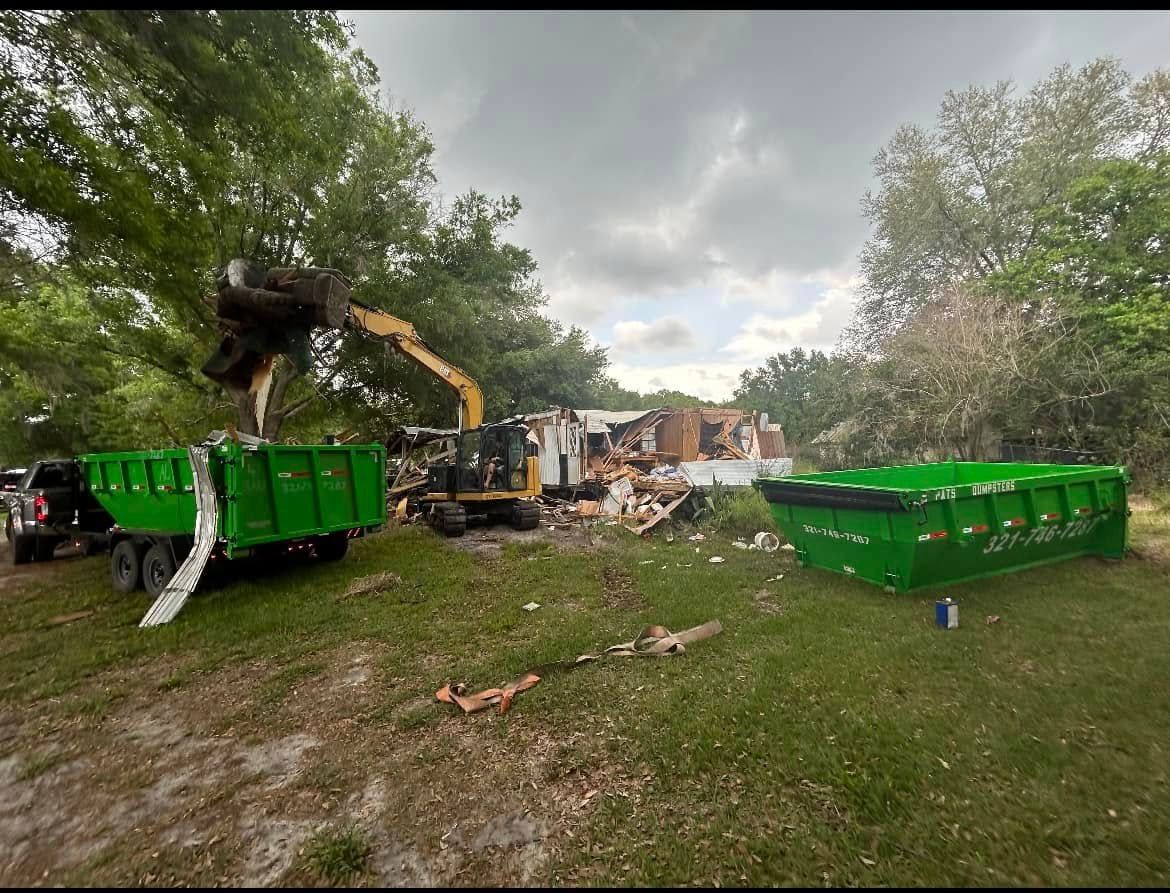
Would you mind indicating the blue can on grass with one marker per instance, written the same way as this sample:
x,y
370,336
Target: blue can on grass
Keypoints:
x,y
946,613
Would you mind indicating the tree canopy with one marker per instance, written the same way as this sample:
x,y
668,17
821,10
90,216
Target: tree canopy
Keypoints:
x,y
962,200
143,150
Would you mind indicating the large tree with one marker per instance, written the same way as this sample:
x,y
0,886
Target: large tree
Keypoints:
x,y
144,149
967,370
1101,256
959,201
805,391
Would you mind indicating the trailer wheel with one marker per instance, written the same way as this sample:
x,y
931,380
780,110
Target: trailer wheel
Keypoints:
x,y
126,566
21,551
332,547
157,568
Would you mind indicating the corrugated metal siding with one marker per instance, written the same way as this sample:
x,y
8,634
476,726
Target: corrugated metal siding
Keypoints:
x,y
771,444
733,472
668,435
550,458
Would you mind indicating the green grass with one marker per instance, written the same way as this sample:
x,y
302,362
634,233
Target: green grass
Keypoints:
x,y
838,739
337,854
39,765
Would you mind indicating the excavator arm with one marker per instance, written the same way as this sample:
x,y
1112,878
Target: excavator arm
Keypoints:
x,y
402,336
271,312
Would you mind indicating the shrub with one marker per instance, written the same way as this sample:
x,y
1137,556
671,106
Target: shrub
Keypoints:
x,y
742,510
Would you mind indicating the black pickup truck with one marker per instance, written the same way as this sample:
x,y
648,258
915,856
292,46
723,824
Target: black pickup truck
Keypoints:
x,y
51,506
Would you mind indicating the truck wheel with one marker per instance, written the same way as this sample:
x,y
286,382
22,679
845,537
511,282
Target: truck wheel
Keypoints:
x,y
8,528
157,568
21,551
525,516
126,566
45,547
332,547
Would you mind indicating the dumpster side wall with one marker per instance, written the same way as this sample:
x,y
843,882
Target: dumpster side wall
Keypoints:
x,y
149,490
288,492
948,534
272,493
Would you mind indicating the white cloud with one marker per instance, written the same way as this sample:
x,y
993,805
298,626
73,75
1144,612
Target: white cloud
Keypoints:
x,y
816,328
663,334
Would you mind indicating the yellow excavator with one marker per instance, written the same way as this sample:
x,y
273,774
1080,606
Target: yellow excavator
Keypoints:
x,y
494,473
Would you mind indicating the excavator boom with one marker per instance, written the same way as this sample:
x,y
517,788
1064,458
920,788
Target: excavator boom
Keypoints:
x,y
403,337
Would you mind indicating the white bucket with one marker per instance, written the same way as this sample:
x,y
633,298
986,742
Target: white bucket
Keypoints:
x,y
768,542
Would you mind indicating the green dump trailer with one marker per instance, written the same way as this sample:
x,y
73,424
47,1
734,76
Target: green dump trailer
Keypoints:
x,y
909,526
174,510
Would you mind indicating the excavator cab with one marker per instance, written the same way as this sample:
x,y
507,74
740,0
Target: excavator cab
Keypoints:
x,y
494,473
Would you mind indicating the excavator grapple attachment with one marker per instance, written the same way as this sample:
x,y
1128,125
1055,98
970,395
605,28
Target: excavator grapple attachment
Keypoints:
x,y
270,312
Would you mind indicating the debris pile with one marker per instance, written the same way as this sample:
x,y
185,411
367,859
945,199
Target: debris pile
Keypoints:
x,y
666,436
637,468
409,452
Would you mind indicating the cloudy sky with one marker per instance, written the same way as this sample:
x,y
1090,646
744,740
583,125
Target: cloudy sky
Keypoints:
x,y
691,182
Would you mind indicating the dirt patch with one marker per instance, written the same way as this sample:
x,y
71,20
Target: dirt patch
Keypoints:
x,y
13,576
619,589
273,846
765,602
515,829
480,542
215,782
374,584
277,762
489,541
357,674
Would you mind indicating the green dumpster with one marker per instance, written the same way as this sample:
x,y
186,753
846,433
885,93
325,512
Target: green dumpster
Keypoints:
x,y
267,494
909,526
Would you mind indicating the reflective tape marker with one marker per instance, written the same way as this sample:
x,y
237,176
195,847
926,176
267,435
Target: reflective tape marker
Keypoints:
x,y
1014,522
976,528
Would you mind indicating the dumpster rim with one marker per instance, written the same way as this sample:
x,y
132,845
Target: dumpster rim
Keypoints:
x,y
1068,473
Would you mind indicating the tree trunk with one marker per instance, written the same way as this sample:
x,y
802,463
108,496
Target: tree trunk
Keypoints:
x,y
271,403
